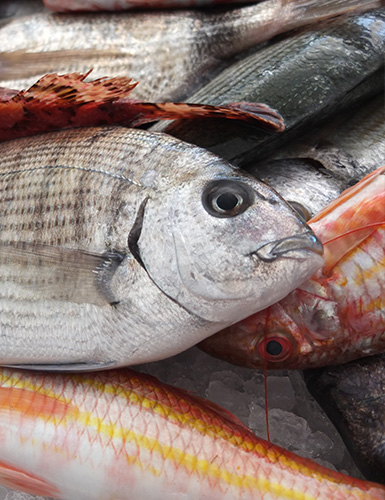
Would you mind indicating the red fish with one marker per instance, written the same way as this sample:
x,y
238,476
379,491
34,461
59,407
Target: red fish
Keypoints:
x,y
66,101
124,435
339,314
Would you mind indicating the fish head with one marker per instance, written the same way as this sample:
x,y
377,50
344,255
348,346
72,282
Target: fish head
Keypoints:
x,y
223,245
301,331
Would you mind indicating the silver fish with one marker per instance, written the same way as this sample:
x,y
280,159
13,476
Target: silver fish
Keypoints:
x,y
171,53
314,170
305,77
119,246
353,396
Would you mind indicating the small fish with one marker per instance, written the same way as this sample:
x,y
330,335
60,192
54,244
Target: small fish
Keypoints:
x,y
120,246
66,101
314,170
353,396
172,53
339,314
307,77
121,434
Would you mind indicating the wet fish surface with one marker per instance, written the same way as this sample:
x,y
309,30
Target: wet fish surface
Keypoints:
x,y
314,170
306,77
169,52
353,396
120,246
336,316
125,435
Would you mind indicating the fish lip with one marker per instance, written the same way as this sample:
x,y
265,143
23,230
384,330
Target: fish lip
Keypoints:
x,y
279,248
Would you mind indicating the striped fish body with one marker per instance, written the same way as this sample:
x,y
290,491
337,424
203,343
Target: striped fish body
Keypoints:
x,y
124,435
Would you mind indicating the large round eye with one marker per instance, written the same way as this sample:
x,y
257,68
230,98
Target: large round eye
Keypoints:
x,y
274,348
227,198
301,210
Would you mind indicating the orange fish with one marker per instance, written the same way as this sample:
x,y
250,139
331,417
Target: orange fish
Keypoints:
x,y
66,101
124,435
338,314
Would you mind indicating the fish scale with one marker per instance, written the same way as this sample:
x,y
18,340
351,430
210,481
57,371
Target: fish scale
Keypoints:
x,y
107,251
126,435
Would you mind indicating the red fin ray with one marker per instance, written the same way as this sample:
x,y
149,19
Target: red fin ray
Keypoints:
x,y
65,101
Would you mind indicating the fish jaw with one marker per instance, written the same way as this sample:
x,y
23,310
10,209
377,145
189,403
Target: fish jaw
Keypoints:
x,y
126,435
243,263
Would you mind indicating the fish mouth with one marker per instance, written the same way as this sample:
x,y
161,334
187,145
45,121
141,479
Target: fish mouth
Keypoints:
x,y
285,246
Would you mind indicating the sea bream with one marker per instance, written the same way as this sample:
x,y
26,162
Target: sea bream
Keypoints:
x,y
339,314
172,53
125,435
120,246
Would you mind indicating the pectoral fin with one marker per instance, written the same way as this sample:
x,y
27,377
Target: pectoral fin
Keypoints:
x,y
39,271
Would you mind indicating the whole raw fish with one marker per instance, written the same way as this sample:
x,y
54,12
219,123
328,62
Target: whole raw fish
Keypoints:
x,y
172,53
306,77
66,101
125,435
120,246
353,396
339,314
314,170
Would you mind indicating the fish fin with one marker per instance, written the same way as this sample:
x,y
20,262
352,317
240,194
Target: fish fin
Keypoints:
x,y
60,101
65,367
256,114
56,273
351,218
18,479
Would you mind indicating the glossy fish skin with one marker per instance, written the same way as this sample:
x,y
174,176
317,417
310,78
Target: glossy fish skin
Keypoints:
x,y
306,77
112,5
353,396
314,170
125,435
336,316
167,51
115,250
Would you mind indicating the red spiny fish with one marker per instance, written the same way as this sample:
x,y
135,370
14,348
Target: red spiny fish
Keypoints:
x,y
66,101
124,435
339,314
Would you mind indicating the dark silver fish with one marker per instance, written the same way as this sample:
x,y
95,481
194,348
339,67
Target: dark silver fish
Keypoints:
x,y
314,170
353,396
305,77
119,246
171,53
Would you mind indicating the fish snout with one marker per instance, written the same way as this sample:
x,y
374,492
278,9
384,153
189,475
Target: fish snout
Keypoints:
x,y
285,246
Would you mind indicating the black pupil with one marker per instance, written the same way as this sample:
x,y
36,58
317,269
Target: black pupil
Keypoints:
x,y
227,201
274,348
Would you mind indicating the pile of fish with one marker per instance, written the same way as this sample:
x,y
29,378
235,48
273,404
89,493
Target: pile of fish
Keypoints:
x,y
121,246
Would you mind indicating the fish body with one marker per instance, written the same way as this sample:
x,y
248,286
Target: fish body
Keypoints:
x,y
307,77
353,396
339,314
121,434
317,168
171,53
105,253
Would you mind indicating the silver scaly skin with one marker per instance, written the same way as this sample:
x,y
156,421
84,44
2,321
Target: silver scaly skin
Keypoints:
x,y
120,246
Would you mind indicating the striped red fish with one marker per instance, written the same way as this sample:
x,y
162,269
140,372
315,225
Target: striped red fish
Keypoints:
x,y
339,314
66,101
124,435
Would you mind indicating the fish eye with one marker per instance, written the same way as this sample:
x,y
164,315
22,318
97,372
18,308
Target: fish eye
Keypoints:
x,y
301,210
274,348
227,198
